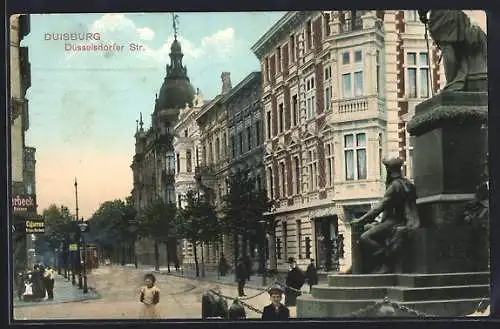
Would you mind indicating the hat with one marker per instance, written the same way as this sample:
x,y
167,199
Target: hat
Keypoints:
x,y
275,290
291,260
393,164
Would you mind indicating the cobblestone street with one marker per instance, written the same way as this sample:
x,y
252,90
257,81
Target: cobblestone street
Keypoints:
x,y
119,290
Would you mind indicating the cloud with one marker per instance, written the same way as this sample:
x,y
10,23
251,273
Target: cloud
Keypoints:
x,y
120,28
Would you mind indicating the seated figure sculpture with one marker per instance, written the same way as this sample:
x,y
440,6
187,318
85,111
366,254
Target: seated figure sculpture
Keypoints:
x,y
382,240
463,47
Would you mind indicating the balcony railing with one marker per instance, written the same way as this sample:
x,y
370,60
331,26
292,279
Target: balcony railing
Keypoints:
x,y
352,24
353,105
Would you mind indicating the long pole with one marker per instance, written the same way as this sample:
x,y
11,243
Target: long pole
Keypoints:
x,y
80,283
429,59
85,286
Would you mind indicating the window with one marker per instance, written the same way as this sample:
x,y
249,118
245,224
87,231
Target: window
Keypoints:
x,y
188,162
328,73
233,146
270,182
186,133
258,181
358,56
355,156
328,98
178,162
224,145
278,59
380,154
257,132
346,85
309,35
292,48
330,163
299,239
217,149
179,201
281,118
249,138
170,194
418,75
409,156
326,23
284,234
297,175
377,83
197,156
170,163
411,16
268,73
283,179
210,153
310,97
295,112
345,58
240,135
358,83
313,171
268,119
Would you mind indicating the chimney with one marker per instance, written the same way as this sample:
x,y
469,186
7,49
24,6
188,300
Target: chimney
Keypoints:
x,y
226,82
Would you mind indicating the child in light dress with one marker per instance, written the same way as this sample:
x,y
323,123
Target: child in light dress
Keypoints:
x,y
150,296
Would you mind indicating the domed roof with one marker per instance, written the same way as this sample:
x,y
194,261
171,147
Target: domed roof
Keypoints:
x,y
176,90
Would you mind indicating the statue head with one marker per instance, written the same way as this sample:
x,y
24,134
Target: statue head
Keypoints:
x,y
394,168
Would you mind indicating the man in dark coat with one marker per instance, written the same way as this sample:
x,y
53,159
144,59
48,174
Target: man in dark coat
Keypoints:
x,y
38,284
241,277
294,281
275,311
312,275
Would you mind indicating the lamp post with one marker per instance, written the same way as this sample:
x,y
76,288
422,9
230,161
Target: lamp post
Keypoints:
x,y
83,228
264,267
78,250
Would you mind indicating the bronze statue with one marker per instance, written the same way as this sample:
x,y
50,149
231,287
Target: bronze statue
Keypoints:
x,y
381,241
463,46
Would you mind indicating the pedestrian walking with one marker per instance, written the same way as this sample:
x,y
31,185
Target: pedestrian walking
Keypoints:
x,y
294,281
150,297
312,275
223,266
275,311
241,277
177,264
37,281
49,277
28,295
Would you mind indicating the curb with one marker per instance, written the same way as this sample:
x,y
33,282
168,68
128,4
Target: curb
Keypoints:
x,y
234,284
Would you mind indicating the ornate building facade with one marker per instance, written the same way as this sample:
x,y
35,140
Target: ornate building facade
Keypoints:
x,y
338,88
153,175
20,81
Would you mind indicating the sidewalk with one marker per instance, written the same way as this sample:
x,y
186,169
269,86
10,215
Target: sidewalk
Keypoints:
x,y
64,292
254,283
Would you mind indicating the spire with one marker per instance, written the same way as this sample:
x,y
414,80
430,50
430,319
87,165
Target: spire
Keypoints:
x,y
141,124
175,22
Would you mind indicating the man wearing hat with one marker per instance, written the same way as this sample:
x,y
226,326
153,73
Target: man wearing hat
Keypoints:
x,y
275,311
398,208
295,279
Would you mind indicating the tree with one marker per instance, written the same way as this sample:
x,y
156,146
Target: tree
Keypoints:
x,y
244,209
197,222
158,223
112,227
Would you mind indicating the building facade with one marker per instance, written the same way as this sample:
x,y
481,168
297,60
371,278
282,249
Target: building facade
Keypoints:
x,y
338,88
153,175
20,81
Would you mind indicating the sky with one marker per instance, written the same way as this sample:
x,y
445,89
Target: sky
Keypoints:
x,y
83,105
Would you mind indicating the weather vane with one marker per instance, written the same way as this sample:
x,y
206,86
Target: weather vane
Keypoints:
x,y
175,22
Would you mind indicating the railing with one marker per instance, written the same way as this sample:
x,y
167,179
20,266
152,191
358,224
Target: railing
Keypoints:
x,y
352,24
353,105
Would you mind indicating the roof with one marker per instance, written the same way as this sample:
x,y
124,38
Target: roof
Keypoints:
x,y
272,31
249,78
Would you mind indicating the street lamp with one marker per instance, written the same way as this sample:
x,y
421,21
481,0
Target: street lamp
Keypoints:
x,y
83,228
264,267
76,218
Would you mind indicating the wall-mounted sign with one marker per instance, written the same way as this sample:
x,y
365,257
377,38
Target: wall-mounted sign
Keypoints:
x,y
35,225
73,247
24,204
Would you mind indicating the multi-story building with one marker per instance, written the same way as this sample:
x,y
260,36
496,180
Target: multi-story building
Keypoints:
x,y
184,160
152,163
20,81
338,88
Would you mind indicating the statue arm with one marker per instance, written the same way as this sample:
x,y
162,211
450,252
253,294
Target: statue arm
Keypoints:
x,y
422,14
381,206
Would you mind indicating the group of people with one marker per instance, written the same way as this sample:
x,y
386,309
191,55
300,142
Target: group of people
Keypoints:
x,y
37,284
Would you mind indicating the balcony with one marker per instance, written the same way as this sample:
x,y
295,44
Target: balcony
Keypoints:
x,y
351,25
205,175
359,108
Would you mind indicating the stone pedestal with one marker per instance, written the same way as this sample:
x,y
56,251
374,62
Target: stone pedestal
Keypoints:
x,y
450,148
